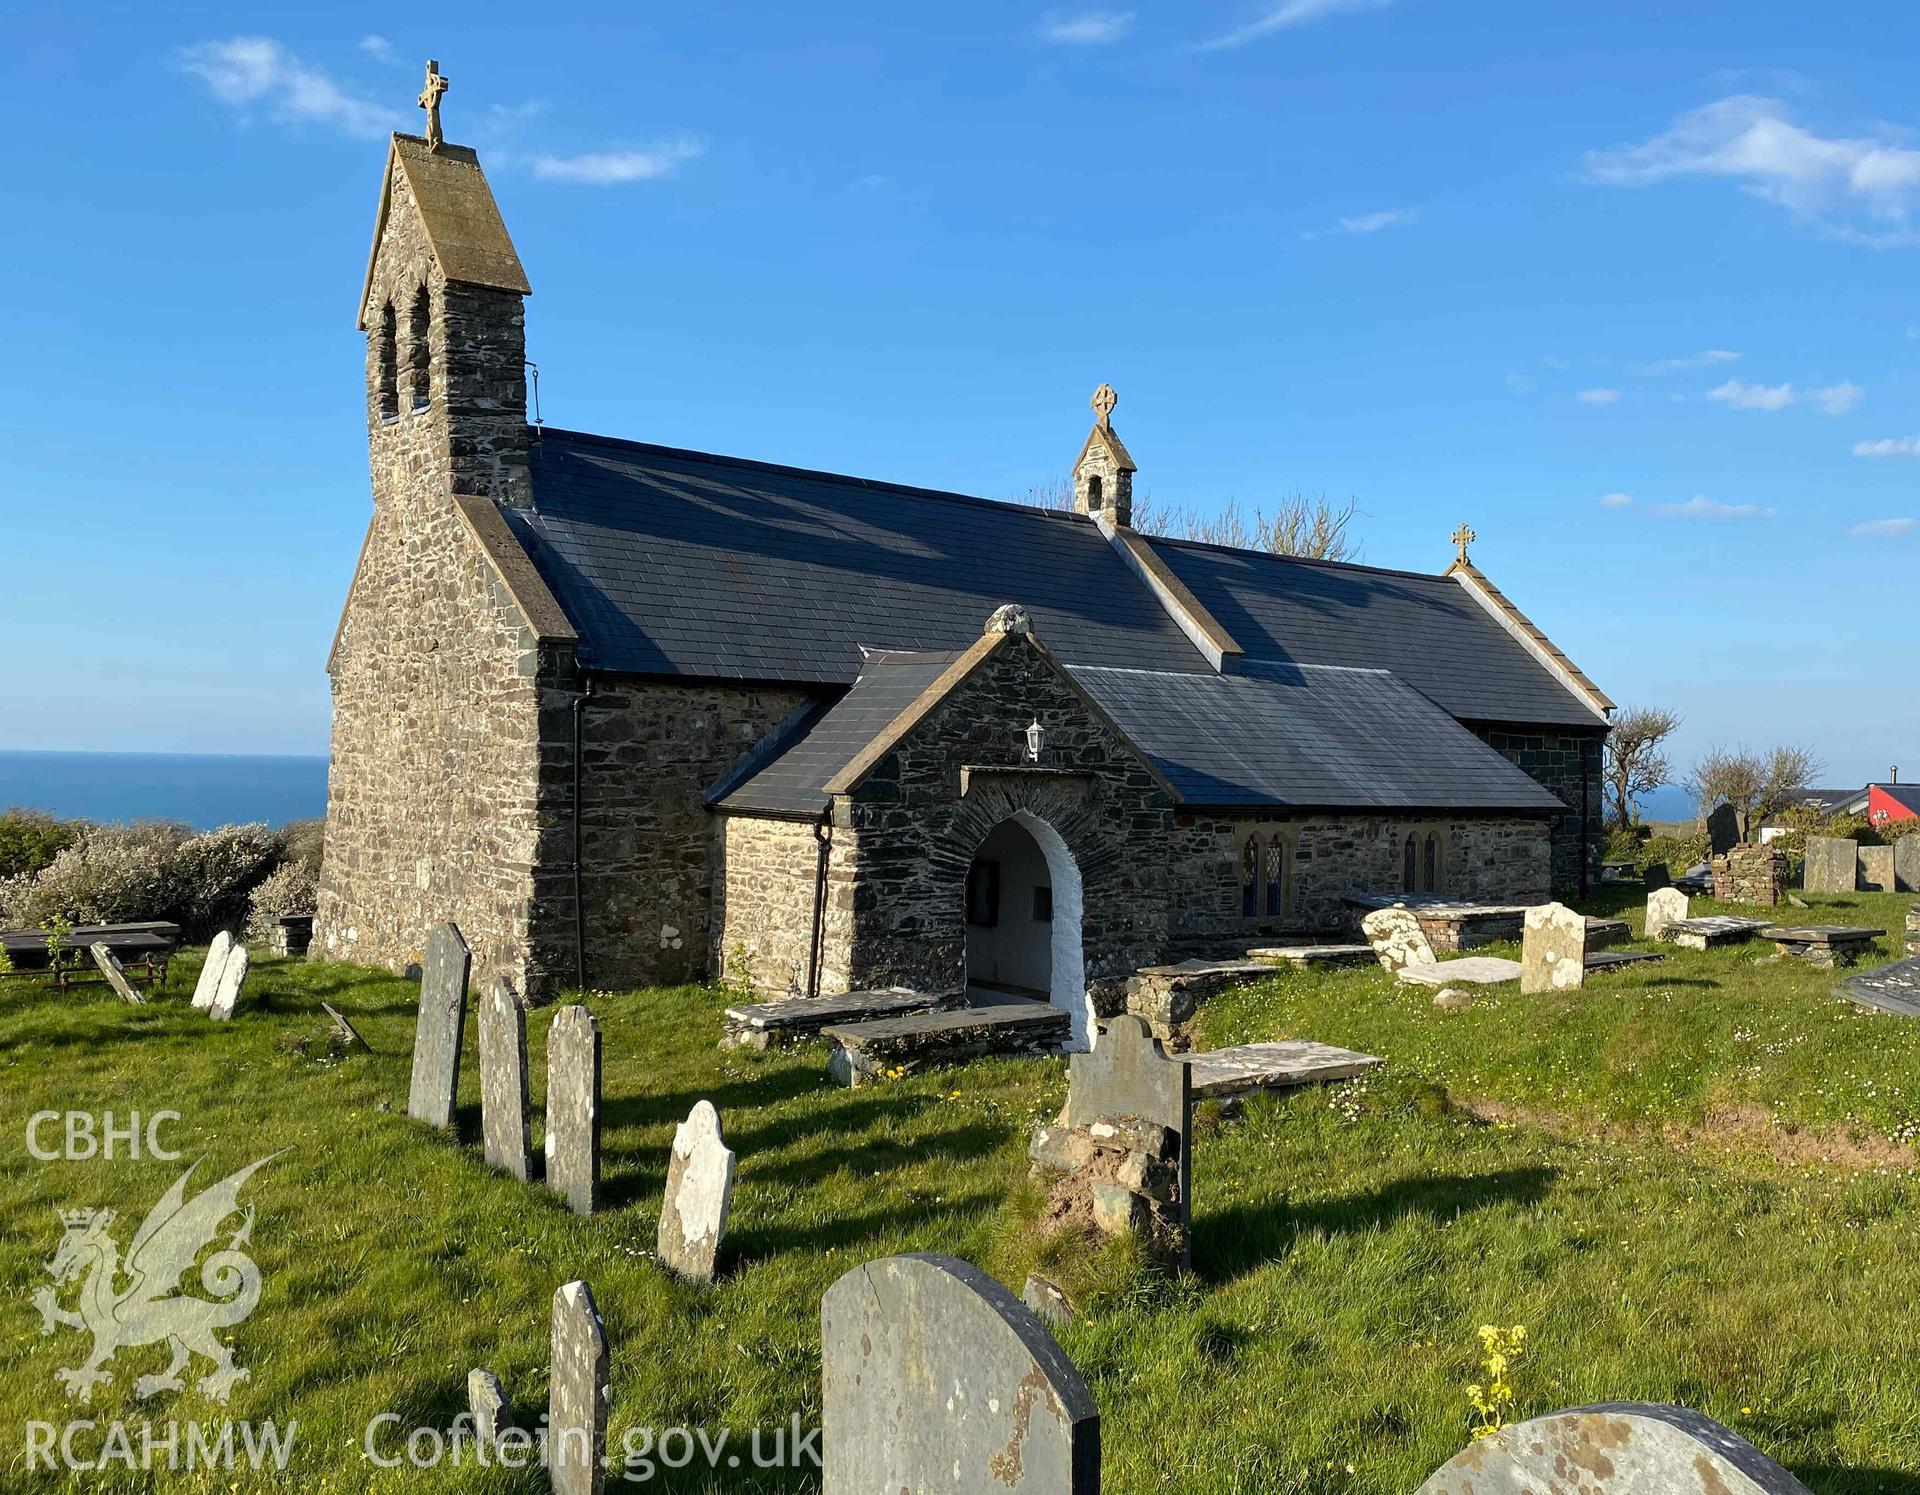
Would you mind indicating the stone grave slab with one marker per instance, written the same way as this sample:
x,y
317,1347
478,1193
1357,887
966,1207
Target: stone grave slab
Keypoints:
x,y
1906,864
577,1394
440,1028
864,1050
216,962
116,974
762,1025
1467,970
487,1402
503,1081
573,1109
1601,961
935,1379
1666,906
1615,1448
1830,945
1554,950
1833,864
1876,869
1892,988
1397,939
1602,933
346,1029
1712,931
693,1215
232,986
1221,1073
1312,955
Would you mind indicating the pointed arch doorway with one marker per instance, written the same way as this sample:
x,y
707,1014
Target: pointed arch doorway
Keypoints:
x,y
1023,909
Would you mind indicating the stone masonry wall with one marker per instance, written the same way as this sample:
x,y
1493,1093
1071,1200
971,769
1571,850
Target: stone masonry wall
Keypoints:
x,y
763,897
1504,860
1565,763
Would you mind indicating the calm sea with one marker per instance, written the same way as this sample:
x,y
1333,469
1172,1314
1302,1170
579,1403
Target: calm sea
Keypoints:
x,y
201,789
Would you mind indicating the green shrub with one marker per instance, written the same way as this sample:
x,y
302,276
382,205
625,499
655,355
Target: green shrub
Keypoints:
x,y
31,839
154,870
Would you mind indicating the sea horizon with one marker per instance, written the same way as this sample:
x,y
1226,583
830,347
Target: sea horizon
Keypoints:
x,y
202,790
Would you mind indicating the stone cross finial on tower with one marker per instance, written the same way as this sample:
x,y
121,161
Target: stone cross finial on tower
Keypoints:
x,y
429,100
1103,473
1463,537
1104,399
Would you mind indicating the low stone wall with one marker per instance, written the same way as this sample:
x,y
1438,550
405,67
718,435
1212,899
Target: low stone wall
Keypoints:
x,y
1750,874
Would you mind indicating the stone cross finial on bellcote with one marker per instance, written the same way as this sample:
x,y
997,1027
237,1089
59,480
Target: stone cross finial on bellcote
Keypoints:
x,y
429,100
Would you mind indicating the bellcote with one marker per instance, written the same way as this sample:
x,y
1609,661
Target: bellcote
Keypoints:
x,y
1103,472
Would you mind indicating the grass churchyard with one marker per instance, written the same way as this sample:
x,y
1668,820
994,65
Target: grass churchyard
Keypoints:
x,y
1689,1182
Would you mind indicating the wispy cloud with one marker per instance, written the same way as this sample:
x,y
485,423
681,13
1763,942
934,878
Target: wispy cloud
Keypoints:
x,y
1087,28
1836,181
1705,359
250,72
1707,508
1616,500
1284,17
1837,399
1366,223
1829,399
1892,446
610,168
1886,529
1598,396
378,48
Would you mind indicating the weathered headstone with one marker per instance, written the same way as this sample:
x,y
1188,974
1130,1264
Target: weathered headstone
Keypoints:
x,y
440,1028
1553,952
1723,829
210,969
1913,930
1833,864
1397,938
233,984
503,1081
1665,906
1617,1448
116,974
487,1402
1906,864
693,1216
935,1379
345,1029
577,1394
1876,869
573,1109
1658,876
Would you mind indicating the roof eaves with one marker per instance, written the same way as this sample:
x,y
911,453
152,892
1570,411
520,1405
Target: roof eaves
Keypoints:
x,y
883,742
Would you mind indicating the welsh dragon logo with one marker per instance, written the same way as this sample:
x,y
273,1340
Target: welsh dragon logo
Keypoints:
x,y
150,1309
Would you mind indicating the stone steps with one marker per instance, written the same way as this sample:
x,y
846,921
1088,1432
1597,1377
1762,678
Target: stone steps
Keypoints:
x,y
864,1051
760,1025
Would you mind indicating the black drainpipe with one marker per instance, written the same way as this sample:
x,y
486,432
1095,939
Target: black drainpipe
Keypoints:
x,y
579,905
823,835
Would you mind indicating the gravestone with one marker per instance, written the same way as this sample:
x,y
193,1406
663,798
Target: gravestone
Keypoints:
x,y
1617,1448
1397,939
577,1394
1892,988
693,1217
345,1029
487,1402
1665,906
935,1379
440,1028
1553,953
1906,864
1833,864
1913,930
1128,1073
1876,869
116,974
232,985
1723,830
1658,876
215,963
503,1081
573,1109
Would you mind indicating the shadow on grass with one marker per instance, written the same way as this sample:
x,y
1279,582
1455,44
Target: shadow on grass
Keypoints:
x,y
1859,1479
1236,1241
754,1244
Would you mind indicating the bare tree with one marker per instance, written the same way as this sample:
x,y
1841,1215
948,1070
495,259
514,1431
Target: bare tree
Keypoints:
x,y
1757,787
1316,528
1790,772
1635,766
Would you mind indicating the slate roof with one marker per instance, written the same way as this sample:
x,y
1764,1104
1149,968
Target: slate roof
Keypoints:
x,y
1902,794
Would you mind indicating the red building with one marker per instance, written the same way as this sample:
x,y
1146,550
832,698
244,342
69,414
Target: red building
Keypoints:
x,y
1892,802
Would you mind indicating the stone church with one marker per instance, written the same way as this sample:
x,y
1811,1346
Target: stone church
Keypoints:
x,y
635,715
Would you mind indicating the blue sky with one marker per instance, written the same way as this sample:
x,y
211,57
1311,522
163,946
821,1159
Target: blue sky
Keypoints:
x,y
1632,292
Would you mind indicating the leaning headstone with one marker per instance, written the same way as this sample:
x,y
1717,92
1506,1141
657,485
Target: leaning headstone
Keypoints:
x,y
488,1405
573,1109
1665,906
503,1081
1398,940
349,1034
440,1028
935,1379
1553,953
1617,1448
1833,864
1906,864
116,974
1128,1075
233,984
210,969
1876,869
693,1217
1723,830
577,1394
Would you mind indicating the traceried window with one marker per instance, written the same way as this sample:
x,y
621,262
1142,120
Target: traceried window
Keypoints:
x,y
1432,868
420,349
387,357
1276,876
1410,865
